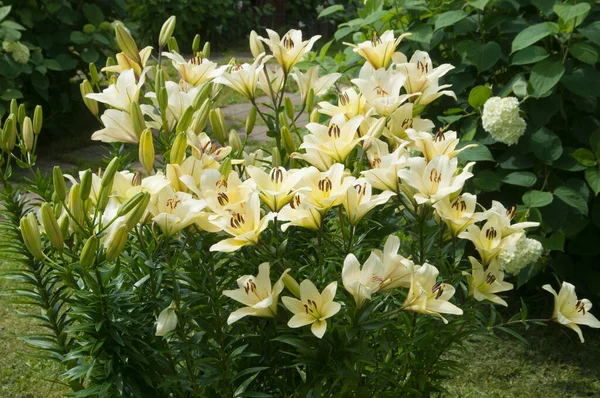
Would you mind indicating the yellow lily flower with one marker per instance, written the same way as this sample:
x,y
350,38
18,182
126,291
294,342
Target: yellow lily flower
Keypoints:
x,y
489,240
359,200
275,81
350,104
459,212
337,140
442,143
174,211
118,127
197,70
289,50
256,294
311,79
326,189
125,63
385,166
392,270
243,78
379,50
571,312
300,213
277,187
312,155
313,308
503,218
121,94
484,282
403,119
359,282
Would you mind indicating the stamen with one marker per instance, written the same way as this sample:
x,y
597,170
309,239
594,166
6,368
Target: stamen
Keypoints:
x,y
276,175
334,131
325,184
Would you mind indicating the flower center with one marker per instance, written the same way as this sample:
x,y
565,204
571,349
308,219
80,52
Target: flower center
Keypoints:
x,y
491,233
311,308
237,221
288,43
580,307
325,185
438,289
295,202
334,131
379,90
173,203
222,198
435,177
407,123
344,99
375,40
276,175
423,67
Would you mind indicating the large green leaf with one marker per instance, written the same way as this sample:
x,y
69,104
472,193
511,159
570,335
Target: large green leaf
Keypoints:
x,y
487,181
479,95
545,75
567,12
330,10
585,81
572,198
4,11
533,34
529,55
546,145
592,32
449,18
584,52
483,56
537,198
93,13
520,178
592,176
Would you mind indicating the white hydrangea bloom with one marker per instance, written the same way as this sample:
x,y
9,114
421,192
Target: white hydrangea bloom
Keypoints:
x,y
501,119
526,251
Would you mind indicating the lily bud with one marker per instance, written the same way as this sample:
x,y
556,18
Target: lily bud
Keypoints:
x,y
256,46
93,73
85,88
251,120
283,121
178,149
103,197
310,100
109,173
291,285
86,184
64,226
9,136
130,204
137,118
202,96
417,110
287,140
146,151
89,252
58,207
206,50
30,232
126,43
217,123
167,321
163,99
51,226
136,214
196,44
275,157
14,107
225,168
234,141
314,116
115,245
60,187
38,119
159,80
185,120
289,108
75,203
173,176
21,113
173,46
27,132
199,122
166,31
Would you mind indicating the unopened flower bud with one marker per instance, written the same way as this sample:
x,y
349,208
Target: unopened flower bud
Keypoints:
x,y
206,50
201,118
85,88
167,321
310,100
217,123
9,133
172,175
109,173
202,96
314,116
291,285
166,31
60,187
21,113
251,120
126,43
64,226
196,44
130,203
289,108
275,157
283,121
185,120
75,203
89,252
103,197
287,140
27,132
178,149
146,151
86,184
38,119
115,245
14,107
93,73
225,168
256,46
163,99
137,118
159,80
30,232
134,216
173,46
234,141
51,226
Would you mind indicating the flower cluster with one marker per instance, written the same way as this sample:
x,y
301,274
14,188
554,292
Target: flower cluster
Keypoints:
x,y
501,119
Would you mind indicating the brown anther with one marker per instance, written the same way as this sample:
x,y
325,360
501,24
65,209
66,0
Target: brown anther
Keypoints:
x,y
437,288
490,279
325,184
173,202
344,99
136,180
288,43
276,175
435,176
491,233
511,212
334,131
407,123
375,163
295,202
379,90
222,198
375,40
221,184
439,136
423,66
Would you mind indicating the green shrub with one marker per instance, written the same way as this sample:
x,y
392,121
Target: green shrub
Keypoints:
x,y
545,53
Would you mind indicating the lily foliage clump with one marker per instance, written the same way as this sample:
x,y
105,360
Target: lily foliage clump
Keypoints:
x,y
344,260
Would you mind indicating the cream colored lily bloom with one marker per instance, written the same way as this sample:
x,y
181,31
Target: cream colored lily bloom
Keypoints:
x,y
403,119
484,282
289,50
177,103
124,63
427,296
118,127
350,104
313,308
277,187
311,79
300,213
489,240
359,200
430,145
243,78
174,211
571,312
435,180
337,140
381,88
205,150
275,81
243,223
503,218
459,212
379,50
223,194
256,294
359,282
385,166
121,94
326,189
197,70
393,270
313,156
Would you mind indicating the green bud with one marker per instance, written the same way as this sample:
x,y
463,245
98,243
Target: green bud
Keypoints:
x,y
75,203
185,120
135,215
275,157
57,206
310,100
64,226
21,113
199,122
14,107
202,96
225,168
217,123
172,44
93,73
60,187
287,140
131,203
235,142
9,137
163,99
206,50
110,61
289,108
137,118
159,80
85,88
38,119
314,116
109,174
117,242
256,45
251,120
166,31
103,197
291,285
196,44
27,133
30,232
178,149
51,226
89,252
282,120
126,43
146,151
86,184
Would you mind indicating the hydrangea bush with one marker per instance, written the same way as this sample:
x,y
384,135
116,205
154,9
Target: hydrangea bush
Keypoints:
x,y
333,263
